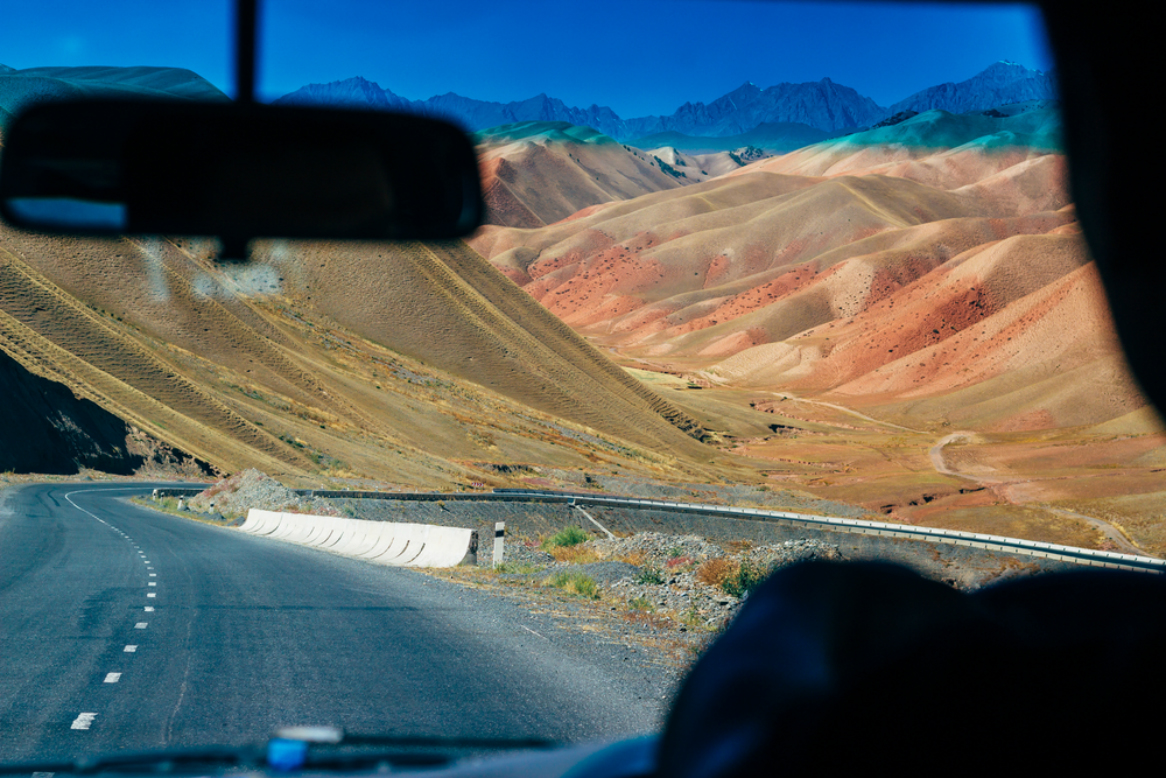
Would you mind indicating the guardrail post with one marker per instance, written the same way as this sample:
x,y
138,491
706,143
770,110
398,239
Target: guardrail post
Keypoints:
x,y
499,543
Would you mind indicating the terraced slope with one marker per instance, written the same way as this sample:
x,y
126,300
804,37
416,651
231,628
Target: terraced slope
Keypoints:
x,y
413,364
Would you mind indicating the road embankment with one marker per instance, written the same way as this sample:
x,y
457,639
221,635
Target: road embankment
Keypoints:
x,y
961,566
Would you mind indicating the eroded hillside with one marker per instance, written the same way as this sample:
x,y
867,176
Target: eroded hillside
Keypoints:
x,y
915,260
412,364
911,311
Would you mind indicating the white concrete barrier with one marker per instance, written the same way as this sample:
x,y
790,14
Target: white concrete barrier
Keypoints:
x,y
254,519
266,522
443,547
315,533
396,545
383,542
303,530
381,546
339,528
288,524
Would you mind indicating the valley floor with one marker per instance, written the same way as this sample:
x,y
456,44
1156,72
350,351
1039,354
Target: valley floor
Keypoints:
x,y
1097,487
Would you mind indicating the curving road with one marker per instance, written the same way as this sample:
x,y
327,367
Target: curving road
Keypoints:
x,y
125,629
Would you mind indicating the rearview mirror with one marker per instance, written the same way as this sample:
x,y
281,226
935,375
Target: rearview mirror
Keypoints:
x,y
237,172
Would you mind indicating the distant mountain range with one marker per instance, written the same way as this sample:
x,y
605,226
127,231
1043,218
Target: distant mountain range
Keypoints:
x,y
824,106
21,87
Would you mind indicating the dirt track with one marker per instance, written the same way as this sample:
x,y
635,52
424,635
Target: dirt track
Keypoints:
x,y
999,487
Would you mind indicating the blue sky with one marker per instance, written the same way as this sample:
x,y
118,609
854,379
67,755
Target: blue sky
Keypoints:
x,y
637,56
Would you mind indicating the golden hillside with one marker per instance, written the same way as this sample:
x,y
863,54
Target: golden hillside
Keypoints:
x,y
409,364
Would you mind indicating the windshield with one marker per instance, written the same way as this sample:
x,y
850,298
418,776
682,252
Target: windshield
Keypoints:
x,y
816,264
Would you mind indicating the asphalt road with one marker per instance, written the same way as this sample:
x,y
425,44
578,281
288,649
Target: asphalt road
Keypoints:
x,y
125,629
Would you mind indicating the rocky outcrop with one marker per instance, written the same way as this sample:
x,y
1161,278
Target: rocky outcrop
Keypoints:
x,y
47,429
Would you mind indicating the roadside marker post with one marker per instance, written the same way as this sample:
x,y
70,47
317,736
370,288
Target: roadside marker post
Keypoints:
x,y
499,543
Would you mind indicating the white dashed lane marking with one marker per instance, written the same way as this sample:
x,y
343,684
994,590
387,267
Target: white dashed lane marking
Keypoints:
x,y
83,721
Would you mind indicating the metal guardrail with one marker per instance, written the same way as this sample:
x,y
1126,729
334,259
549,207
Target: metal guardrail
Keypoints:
x,y
177,492
1081,556
1032,548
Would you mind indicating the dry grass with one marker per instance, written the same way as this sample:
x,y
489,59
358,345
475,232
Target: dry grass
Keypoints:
x,y
579,555
647,618
169,505
636,558
715,572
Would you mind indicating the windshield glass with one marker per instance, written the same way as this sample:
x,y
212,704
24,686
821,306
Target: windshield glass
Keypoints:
x,y
816,263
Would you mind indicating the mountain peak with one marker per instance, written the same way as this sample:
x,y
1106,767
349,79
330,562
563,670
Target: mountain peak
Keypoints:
x,y
1007,68
1001,83
824,105
351,91
748,86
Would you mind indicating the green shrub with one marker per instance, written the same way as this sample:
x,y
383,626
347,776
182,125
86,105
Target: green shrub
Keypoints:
x,y
649,575
575,583
568,536
744,580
